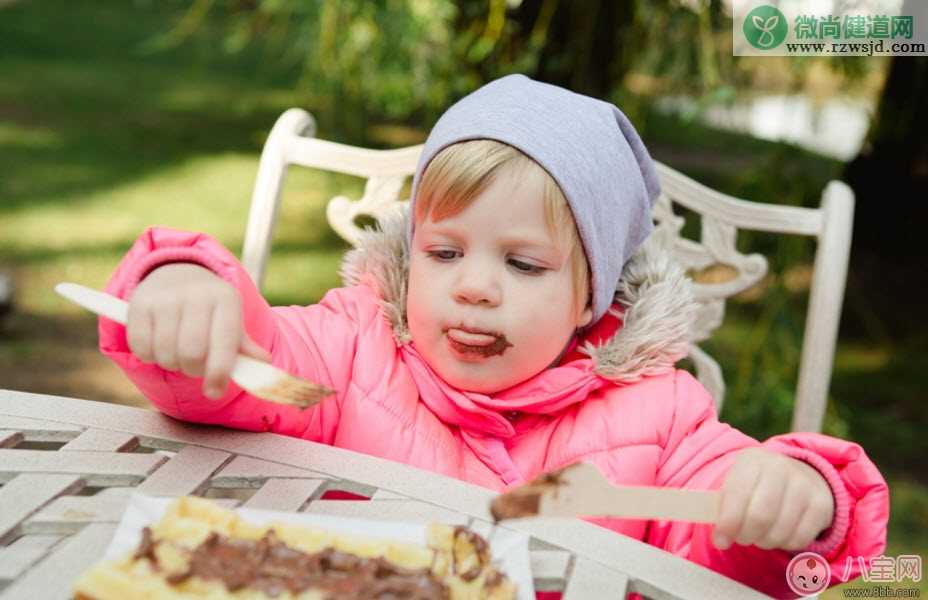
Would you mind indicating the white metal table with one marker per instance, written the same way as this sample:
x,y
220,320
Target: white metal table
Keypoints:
x,y
68,466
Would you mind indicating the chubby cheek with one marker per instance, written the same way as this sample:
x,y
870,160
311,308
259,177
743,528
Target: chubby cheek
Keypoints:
x,y
547,308
545,326
419,311
542,343
427,303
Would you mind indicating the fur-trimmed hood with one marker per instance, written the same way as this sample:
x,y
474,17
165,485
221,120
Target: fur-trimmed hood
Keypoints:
x,y
653,309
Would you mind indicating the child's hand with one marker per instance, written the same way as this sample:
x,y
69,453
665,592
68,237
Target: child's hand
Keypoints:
x,y
772,501
185,318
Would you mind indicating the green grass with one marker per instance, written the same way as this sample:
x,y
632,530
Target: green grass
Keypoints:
x,y
84,237
100,137
85,106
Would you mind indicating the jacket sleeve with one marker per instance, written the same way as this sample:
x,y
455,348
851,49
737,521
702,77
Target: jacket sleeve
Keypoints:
x,y
292,335
698,452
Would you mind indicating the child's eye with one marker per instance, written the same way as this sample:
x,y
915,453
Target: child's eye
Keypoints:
x,y
442,255
524,267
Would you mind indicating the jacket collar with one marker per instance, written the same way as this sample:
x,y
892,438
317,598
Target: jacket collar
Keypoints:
x,y
647,330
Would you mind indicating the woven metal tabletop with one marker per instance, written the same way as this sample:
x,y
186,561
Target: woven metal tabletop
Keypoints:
x,y
68,467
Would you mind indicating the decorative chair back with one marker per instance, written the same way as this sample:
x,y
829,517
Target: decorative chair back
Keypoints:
x,y
291,142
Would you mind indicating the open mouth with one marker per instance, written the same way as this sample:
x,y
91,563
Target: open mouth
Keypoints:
x,y
471,342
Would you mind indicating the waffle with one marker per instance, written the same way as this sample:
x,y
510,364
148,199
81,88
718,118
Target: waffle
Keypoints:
x,y
202,551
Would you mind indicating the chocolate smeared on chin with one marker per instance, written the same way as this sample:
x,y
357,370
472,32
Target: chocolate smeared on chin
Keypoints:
x,y
499,345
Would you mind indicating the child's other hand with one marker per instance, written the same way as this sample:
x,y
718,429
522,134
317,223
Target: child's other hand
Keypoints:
x,y
772,501
185,318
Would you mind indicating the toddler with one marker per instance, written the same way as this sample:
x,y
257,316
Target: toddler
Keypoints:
x,y
513,322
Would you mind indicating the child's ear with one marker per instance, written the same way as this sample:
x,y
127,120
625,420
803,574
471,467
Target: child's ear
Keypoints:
x,y
585,317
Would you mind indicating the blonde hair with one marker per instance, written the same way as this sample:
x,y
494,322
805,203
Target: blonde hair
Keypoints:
x,y
458,174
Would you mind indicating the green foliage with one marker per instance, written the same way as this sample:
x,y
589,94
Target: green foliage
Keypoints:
x,y
362,62
356,58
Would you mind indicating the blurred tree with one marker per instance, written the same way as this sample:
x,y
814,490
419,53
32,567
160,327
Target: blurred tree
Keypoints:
x,y
407,60
890,180
888,280
589,46
581,45
357,58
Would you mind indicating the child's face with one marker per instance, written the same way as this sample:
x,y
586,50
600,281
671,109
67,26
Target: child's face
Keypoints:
x,y
495,268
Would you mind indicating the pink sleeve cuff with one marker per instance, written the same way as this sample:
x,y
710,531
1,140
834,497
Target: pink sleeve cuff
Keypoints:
x,y
834,535
174,254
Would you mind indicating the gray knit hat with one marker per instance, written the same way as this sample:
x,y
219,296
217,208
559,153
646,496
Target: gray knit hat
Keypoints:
x,y
590,149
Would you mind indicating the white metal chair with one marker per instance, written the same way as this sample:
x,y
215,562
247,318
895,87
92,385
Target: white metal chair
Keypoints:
x,y
291,142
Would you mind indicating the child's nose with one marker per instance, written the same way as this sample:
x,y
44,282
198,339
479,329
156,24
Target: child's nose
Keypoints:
x,y
476,287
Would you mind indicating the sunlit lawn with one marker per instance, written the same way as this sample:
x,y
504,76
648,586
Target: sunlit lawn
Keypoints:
x,y
82,237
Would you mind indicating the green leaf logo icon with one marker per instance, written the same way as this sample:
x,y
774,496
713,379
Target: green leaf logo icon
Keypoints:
x,y
765,27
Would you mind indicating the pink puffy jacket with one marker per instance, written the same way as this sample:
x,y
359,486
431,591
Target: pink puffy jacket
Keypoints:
x,y
614,400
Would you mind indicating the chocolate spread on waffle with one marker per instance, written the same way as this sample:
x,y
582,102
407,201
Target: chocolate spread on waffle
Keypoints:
x,y
480,551
270,566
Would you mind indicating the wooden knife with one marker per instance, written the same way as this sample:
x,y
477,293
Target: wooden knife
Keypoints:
x,y
581,490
